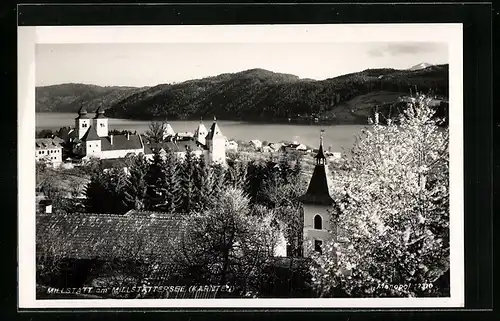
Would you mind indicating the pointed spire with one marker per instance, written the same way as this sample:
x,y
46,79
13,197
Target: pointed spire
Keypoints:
x,y
320,156
215,119
201,120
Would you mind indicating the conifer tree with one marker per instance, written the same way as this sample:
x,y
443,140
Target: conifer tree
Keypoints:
x,y
187,179
155,181
136,189
106,192
203,184
95,193
172,182
116,183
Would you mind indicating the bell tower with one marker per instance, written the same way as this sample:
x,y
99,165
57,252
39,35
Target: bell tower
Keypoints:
x,y
82,122
216,144
101,123
316,202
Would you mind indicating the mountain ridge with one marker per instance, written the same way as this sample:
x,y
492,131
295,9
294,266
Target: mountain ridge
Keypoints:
x,y
255,95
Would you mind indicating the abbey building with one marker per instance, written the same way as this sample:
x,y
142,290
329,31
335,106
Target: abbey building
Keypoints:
x,y
91,138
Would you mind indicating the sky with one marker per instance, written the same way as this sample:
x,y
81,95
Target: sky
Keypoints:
x,y
143,64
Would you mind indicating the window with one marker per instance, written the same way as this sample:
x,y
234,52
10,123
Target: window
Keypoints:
x,y
102,125
318,222
317,246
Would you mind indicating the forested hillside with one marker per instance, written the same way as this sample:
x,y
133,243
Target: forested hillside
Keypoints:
x,y
68,98
261,95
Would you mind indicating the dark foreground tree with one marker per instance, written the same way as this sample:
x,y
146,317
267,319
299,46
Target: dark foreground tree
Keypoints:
x,y
226,244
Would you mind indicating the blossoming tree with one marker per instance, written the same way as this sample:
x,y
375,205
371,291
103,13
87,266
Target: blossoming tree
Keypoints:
x,y
392,211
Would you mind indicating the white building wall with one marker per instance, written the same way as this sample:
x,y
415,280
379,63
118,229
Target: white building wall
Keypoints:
x,y
101,125
52,155
82,126
217,148
311,234
120,153
93,148
280,248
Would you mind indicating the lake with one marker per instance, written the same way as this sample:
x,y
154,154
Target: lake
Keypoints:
x,y
336,136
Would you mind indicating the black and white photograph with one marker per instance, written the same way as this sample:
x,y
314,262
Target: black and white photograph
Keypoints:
x,y
241,166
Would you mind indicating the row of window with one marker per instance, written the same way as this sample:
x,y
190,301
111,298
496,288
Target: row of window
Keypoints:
x,y
52,151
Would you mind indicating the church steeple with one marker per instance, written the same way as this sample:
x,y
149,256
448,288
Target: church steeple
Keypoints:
x,y
320,156
318,190
216,144
101,122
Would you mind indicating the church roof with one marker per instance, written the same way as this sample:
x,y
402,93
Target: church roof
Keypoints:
x,y
99,113
82,113
91,134
317,192
214,131
121,142
104,236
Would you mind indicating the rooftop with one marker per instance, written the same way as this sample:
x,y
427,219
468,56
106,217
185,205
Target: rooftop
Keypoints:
x,y
105,236
47,143
318,192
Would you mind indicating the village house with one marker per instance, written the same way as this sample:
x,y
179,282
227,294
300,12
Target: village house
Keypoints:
x,y
267,149
295,146
49,150
275,146
255,143
231,145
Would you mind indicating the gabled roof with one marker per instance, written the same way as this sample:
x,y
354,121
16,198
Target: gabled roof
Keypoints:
x,y
47,143
318,191
91,134
105,236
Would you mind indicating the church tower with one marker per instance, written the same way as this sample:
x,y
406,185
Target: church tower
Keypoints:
x,y
101,123
82,122
216,144
316,203
201,133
